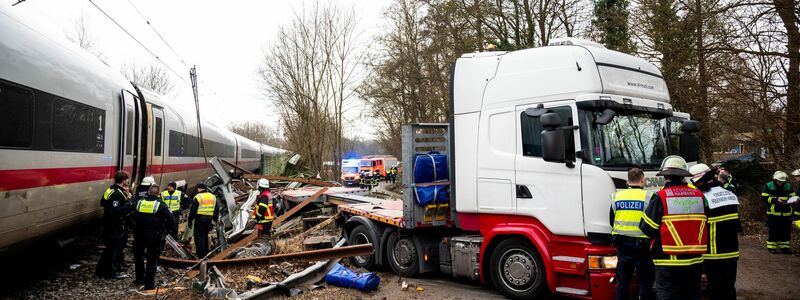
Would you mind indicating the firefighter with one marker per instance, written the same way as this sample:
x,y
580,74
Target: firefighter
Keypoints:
x,y
362,181
203,212
152,219
264,211
724,226
779,213
375,179
174,200
115,203
144,186
393,174
675,219
726,180
633,247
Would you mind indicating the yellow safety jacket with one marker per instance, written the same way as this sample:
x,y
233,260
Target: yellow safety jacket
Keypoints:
x,y
207,202
173,201
147,207
772,194
628,207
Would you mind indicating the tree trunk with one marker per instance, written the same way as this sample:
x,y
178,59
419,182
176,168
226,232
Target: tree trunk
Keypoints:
x,y
791,136
701,104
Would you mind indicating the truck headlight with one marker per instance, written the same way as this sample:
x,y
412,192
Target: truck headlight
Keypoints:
x,y
600,262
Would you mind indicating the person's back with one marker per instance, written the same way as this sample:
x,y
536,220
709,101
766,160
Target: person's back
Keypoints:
x,y
633,246
152,219
201,216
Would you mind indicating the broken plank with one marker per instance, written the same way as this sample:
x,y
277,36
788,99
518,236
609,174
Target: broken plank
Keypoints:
x,y
298,207
330,253
291,179
241,243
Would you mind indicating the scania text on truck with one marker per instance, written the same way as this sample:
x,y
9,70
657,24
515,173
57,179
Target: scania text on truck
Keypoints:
x,y
538,140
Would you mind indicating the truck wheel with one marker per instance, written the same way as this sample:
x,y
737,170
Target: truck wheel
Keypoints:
x,y
517,270
360,235
403,256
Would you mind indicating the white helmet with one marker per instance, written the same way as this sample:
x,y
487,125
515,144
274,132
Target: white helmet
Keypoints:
x,y
263,183
675,166
148,181
796,173
780,176
698,171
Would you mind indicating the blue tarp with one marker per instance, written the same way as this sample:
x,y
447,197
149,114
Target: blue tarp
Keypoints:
x,y
430,167
344,277
432,194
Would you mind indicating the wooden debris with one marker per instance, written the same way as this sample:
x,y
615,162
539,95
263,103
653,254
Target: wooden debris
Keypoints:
x,y
297,208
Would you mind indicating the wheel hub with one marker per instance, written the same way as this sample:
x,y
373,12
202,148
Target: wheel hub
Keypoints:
x,y
404,252
359,239
518,268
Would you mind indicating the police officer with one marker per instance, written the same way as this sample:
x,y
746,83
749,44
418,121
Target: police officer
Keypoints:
x,y
151,219
779,214
203,211
675,219
633,247
723,226
115,203
174,199
265,214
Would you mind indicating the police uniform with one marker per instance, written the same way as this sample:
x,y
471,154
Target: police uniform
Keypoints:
x,y
676,218
779,216
265,213
204,210
633,246
151,219
115,203
173,200
722,255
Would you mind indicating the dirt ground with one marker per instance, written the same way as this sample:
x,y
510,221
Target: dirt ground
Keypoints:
x,y
46,273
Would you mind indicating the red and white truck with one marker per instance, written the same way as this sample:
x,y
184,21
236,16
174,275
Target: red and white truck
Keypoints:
x,y
537,142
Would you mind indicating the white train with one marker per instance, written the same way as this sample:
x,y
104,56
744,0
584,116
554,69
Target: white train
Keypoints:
x,y
68,122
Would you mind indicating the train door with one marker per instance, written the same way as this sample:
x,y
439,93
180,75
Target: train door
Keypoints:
x,y
130,116
157,150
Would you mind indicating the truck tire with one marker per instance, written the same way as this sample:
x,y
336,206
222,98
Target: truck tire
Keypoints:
x,y
403,256
360,235
517,270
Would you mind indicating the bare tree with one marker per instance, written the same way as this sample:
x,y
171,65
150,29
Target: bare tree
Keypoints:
x,y
151,77
310,73
81,34
258,132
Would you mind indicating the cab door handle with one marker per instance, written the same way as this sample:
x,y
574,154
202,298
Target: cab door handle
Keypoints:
x,y
523,192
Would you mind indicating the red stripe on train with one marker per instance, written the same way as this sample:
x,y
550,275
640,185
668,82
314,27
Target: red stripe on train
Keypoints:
x,y
30,178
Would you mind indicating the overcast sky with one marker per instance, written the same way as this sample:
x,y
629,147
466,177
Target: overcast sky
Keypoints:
x,y
225,39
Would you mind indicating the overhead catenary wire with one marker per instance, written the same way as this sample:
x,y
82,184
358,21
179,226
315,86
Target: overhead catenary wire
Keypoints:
x,y
183,61
138,42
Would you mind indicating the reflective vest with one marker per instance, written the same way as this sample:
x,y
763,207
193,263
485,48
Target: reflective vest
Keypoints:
x,y
683,226
270,214
173,201
110,191
147,206
773,194
206,202
629,206
723,224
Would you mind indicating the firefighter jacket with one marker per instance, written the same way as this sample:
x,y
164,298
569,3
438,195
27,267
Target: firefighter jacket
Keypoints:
x,y
723,223
773,195
730,185
676,219
203,205
627,209
172,200
264,212
115,203
152,218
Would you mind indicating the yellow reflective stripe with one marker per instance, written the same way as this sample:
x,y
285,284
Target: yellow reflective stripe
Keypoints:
x,y
721,218
108,193
701,231
713,232
721,255
649,222
677,262
673,232
780,214
690,217
691,248
765,194
147,207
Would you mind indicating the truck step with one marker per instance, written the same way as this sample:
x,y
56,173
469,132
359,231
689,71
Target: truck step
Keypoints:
x,y
572,291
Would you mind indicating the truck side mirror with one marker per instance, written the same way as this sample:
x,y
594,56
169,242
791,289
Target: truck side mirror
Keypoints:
x,y
552,138
689,141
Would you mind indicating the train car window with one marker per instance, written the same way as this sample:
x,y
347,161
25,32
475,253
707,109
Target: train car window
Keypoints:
x,y
175,143
16,116
78,127
129,132
157,136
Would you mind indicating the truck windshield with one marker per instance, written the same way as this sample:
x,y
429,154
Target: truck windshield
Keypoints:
x,y
630,139
349,170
